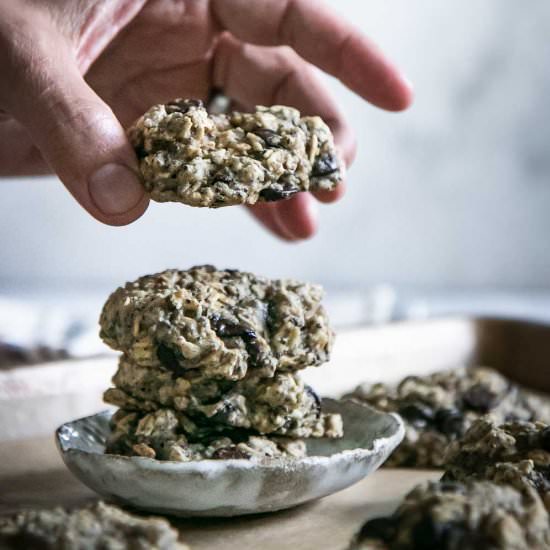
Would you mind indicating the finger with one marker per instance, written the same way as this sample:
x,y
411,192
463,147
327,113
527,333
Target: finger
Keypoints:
x,y
255,75
79,137
265,213
323,38
259,75
292,219
18,154
331,196
299,214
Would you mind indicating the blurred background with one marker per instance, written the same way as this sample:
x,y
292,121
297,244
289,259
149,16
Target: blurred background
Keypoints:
x,y
447,209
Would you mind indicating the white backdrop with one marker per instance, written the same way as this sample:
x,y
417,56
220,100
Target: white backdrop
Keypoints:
x,y
454,192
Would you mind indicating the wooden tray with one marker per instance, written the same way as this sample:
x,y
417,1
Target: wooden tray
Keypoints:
x,y
32,474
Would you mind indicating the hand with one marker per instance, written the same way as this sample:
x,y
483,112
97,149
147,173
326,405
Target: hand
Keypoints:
x,y
74,73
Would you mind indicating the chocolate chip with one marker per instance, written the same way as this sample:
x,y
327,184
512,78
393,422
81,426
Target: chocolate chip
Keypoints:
x,y
324,165
271,138
140,150
429,534
229,452
24,541
545,438
217,323
228,329
378,528
449,421
222,176
182,105
416,412
224,409
271,318
451,487
170,359
270,195
310,391
414,380
540,478
523,441
479,398
227,407
254,354
163,145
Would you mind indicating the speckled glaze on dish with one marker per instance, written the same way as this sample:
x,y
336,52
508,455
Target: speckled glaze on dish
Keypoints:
x,y
232,487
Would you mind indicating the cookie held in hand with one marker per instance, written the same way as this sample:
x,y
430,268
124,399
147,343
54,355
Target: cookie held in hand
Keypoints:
x,y
211,160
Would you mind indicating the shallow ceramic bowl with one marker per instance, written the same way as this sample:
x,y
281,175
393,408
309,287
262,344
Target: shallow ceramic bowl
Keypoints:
x,y
231,487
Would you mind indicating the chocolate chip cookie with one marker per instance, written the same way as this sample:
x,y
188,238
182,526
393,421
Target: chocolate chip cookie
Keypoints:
x,y
188,155
166,435
453,516
200,407
439,408
517,453
221,323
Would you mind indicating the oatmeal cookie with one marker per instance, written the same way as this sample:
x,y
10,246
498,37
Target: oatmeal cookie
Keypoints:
x,y
221,322
97,527
187,155
453,516
439,408
517,453
281,405
165,435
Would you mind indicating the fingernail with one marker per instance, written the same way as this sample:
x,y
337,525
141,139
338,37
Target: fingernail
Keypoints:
x,y
115,189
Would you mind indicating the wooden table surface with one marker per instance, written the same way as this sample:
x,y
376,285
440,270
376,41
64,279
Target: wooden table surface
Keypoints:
x,y
32,474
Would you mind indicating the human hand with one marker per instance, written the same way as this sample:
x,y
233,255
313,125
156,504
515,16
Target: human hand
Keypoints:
x,y
76,72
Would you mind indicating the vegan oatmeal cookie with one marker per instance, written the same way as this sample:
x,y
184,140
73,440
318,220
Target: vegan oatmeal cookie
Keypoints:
x,y
281,405
222,323
456,516
98,527
438,408
517,453
167,435
188,155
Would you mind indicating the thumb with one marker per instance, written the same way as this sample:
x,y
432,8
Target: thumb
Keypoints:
x,y
81,140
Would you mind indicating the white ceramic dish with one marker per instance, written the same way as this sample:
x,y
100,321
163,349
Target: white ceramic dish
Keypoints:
x,y
231,487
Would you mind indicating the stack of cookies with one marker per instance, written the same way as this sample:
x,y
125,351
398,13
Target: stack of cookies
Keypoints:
x,y
209,365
